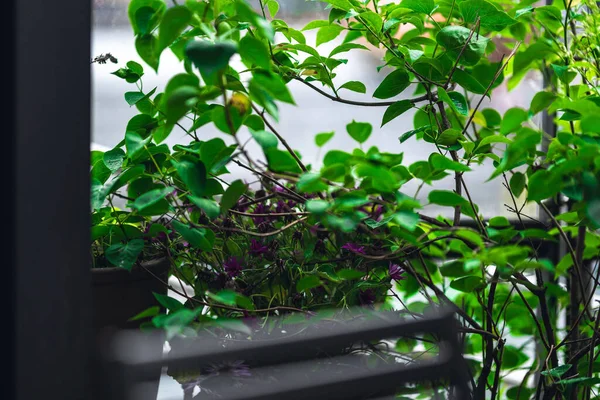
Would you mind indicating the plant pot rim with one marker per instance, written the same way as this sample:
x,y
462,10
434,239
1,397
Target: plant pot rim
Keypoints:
x,y
111,274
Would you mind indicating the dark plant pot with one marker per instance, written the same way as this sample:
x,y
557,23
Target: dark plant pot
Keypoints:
x,y
118,295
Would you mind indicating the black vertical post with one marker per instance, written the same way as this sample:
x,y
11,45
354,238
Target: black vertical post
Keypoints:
x,y
50,142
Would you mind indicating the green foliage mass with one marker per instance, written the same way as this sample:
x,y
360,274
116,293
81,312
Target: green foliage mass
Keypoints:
x,y
347,232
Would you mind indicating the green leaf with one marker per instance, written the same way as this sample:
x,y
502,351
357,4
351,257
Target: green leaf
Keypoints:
x,y
454,38
178,102
563,73
254,122
513,118
254,52
150,198
200,238
381,177
311,183
210,207
558,371
272,84
542,185
281,161
373,21
359,131
355,86
493,139
513,357
346,47
592,210
149,312
210,58
449,137
341,4
349,274
322,138
518,151
231,196
455,100
517,183
459,103
467,284
172,24
304,48
227,297
317,206
167,302
273,7
492,117
407,219
420,6
446,198
220,119
308,282
541,101
393,84
590,124
133,97
470,236
265,139
162,132
318,23
443,163
145,14
490,16
193,174
395,110
328,33
581,381
127,74
467,81
124,255
147,48
135,67
113,159
134,143
407,135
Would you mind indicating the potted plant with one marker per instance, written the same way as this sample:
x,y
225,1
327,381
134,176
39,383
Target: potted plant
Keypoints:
x,y
346,232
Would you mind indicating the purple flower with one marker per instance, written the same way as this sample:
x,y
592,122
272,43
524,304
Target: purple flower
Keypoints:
x,y
314,229
396,272
366,297
257,248
281,207
237,368
161,237
233,267
354,248
378,212
261,209
242,205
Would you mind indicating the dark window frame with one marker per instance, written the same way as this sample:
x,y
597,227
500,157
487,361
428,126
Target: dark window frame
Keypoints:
x,y
49,134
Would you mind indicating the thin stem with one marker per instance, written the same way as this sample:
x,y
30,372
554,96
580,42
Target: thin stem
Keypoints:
x,y
281,139
356,103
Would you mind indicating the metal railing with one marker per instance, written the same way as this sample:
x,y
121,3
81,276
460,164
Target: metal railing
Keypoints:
x,y
307,364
